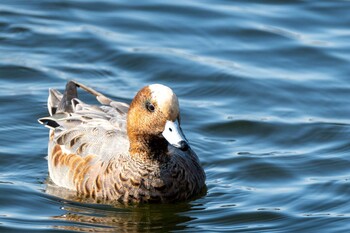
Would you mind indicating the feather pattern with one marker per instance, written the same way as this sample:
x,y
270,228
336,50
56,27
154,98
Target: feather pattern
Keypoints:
x,y
89,151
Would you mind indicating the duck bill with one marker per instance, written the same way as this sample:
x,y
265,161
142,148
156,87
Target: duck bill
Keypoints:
x,y
174,135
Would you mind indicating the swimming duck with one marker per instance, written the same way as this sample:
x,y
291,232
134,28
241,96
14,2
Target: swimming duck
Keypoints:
x,y
114,151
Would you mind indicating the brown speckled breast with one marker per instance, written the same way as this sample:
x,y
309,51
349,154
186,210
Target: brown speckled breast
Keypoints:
x,y
127,180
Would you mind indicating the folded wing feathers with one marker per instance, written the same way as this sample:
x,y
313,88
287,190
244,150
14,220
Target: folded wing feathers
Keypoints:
x,y
111,111
53,100
89,128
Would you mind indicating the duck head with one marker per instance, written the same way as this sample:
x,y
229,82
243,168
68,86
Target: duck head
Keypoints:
x,y
154,121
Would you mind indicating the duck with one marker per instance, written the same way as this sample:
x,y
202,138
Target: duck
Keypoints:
x,y
114,151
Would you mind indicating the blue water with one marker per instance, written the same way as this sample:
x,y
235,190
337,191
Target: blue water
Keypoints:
x,y
264,93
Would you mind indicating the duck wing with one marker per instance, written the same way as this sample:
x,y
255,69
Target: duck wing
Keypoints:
x,y
84,129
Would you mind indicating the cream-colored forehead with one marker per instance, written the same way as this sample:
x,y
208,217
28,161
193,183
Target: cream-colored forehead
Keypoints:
x,y
166,99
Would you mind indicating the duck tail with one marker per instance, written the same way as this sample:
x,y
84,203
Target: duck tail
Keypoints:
x,y
53,101
59,103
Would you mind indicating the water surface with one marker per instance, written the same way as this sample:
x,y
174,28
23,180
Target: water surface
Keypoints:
x,y
264,92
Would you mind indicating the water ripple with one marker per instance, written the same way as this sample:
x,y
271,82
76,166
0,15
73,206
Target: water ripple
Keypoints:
x,y
263,88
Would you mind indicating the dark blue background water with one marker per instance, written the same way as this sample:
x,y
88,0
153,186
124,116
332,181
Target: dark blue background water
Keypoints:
x,y
264,92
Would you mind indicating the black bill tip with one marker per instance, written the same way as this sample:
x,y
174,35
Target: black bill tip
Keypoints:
x,y
184,146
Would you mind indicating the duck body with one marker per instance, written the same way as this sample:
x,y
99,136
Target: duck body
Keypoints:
x,y
117,152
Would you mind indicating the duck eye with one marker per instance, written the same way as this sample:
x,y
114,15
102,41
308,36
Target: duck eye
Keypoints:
x,y
150,107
